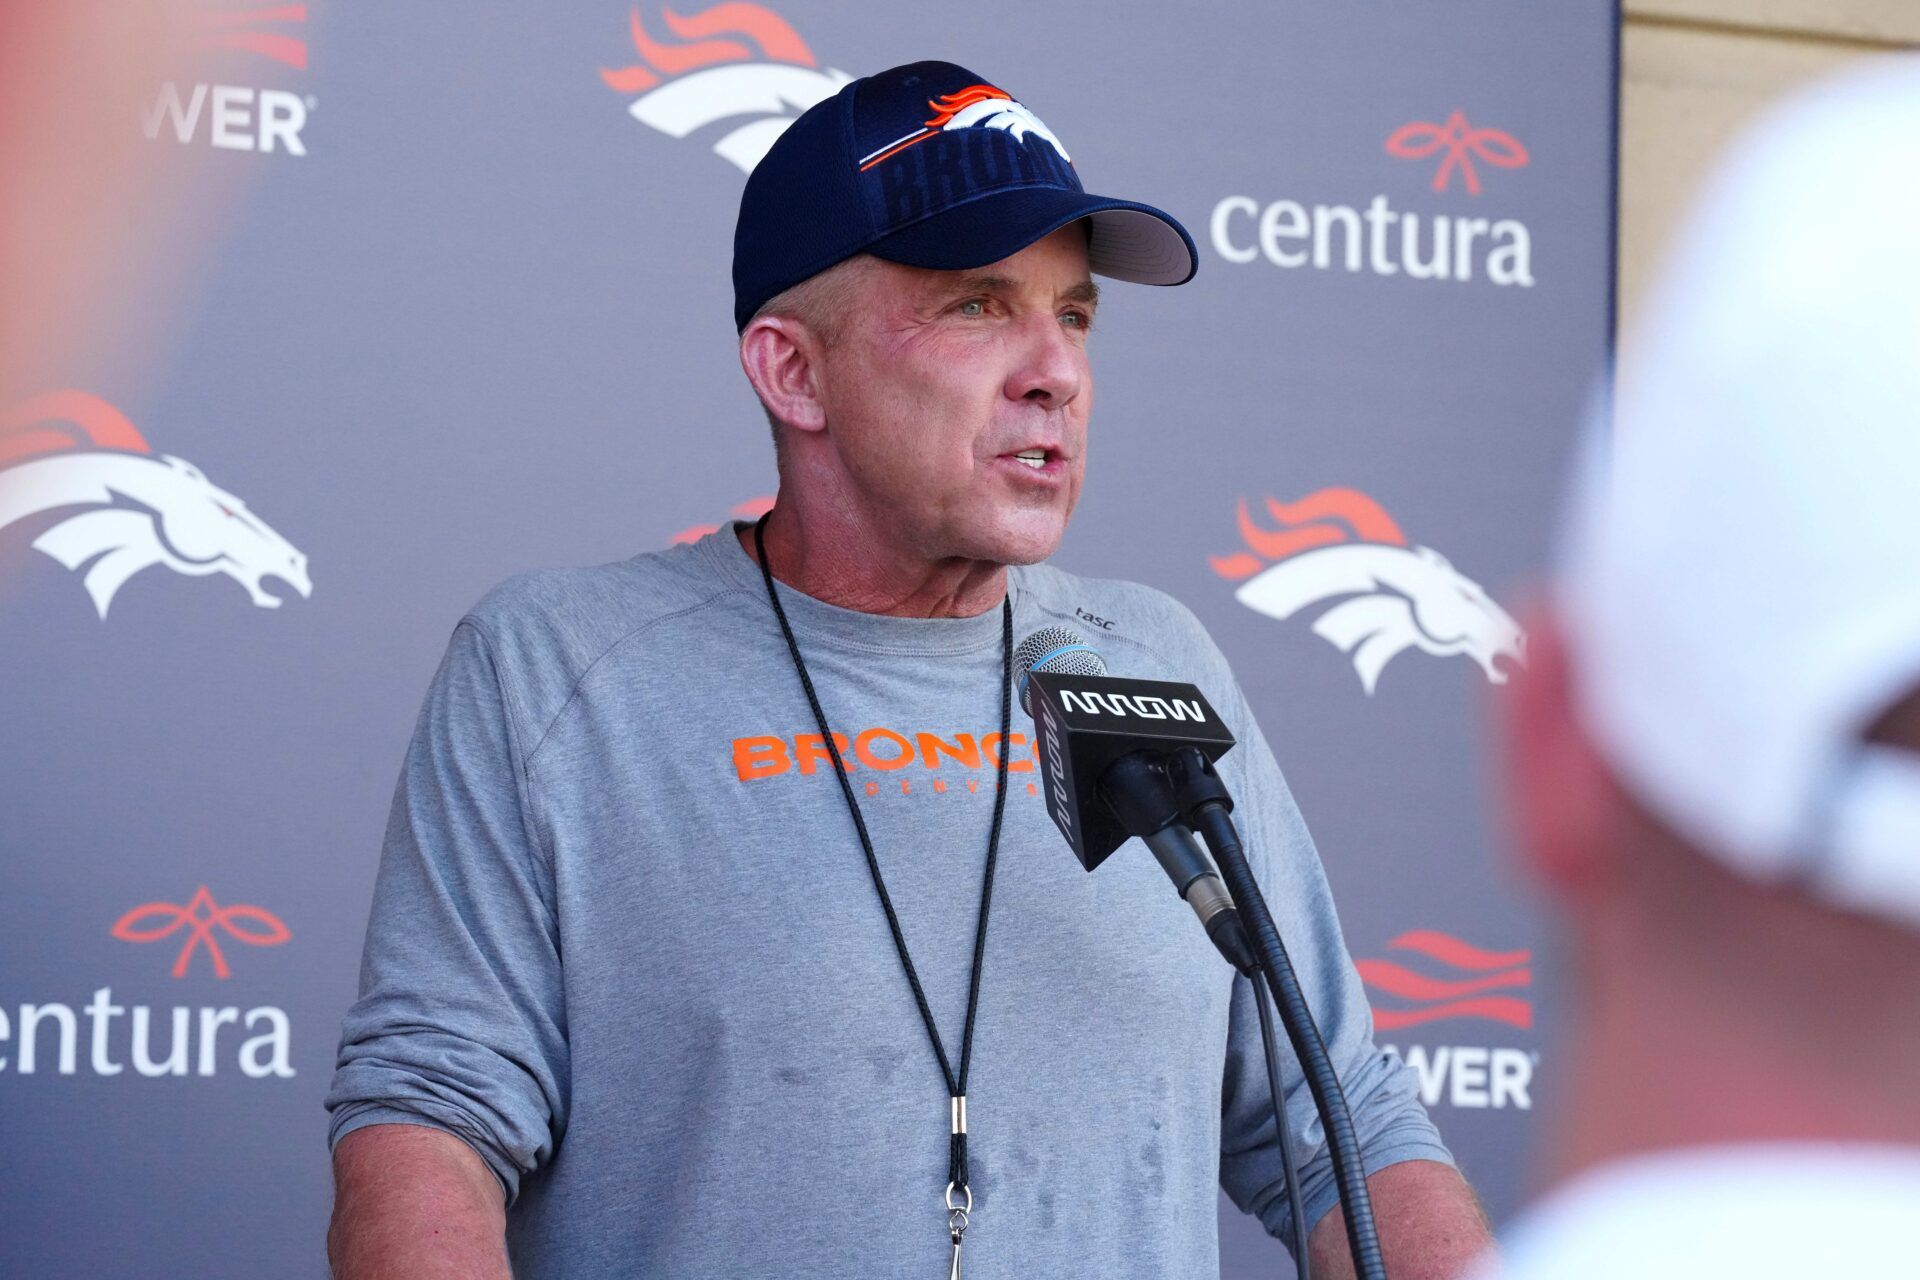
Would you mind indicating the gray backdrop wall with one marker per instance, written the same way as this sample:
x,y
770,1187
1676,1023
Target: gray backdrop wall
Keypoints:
x,y
474,318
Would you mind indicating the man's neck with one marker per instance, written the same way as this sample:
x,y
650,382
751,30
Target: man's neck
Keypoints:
x,y
821,557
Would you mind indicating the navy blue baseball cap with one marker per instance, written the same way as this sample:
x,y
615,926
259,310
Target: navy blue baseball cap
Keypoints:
x,y
931,166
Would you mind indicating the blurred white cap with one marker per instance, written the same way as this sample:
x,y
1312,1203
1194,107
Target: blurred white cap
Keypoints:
x,y
1740,571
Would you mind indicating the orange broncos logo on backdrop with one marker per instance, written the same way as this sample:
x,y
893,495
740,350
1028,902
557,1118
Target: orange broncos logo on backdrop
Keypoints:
x,y
1469,975
733,61
1340,545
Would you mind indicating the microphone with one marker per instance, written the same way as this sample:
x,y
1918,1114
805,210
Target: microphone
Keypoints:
x,y
1103,744
1055,649
1086,720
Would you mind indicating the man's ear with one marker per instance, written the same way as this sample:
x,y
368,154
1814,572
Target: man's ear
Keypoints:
x,y
1563,805
781,358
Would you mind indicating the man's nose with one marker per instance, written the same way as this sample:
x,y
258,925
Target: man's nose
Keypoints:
x,y
1052,368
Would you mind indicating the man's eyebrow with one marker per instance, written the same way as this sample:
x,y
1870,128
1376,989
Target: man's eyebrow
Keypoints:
x,y
1086,291
981,282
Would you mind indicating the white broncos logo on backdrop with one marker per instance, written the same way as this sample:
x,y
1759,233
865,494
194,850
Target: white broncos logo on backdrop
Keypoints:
x,y
716,76
172,514
1341,545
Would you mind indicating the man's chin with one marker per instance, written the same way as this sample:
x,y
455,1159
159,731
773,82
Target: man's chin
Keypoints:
x,y
1022,544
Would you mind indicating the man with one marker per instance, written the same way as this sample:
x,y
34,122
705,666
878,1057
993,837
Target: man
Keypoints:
x,y
1715,753
648,993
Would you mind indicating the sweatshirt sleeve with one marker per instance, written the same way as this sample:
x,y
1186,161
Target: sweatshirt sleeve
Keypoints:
x,y
1381,1091
460,1023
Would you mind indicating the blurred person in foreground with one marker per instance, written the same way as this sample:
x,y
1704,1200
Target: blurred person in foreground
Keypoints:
x,y
100,228
1714,758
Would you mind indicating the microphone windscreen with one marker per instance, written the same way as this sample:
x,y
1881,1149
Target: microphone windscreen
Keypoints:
x,y
1055,649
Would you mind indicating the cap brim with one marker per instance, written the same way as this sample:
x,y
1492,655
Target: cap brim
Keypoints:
x,y
1128,241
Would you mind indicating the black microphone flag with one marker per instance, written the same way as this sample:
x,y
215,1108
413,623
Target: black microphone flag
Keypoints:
x,y
1084,723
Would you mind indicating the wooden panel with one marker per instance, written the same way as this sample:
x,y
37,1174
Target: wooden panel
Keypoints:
x,y
1684,94
1878,21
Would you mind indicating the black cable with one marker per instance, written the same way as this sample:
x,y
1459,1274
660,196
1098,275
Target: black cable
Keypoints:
x,y
1213,822
1283,1131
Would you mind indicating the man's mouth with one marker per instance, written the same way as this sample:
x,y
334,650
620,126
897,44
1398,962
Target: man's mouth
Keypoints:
x,y
1046,466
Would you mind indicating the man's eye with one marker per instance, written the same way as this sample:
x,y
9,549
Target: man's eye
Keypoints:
x,y
973,307
1076,319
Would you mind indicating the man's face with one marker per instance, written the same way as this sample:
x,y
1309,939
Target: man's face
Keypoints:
x,y
938,379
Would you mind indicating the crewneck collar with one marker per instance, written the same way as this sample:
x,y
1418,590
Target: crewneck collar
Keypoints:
x,y
879,632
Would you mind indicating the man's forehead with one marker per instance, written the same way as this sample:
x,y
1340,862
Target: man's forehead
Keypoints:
x,y
1058,268
988,280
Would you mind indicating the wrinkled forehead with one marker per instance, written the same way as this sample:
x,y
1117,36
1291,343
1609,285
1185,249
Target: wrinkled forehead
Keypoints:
x,y
1055,266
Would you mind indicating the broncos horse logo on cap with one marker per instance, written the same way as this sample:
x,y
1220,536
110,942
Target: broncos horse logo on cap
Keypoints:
x,y
978,106
140,508
1341,545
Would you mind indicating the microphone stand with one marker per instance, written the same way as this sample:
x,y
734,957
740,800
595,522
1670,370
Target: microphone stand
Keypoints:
x,y
1302,1265
1206,807
1159,784
1136,788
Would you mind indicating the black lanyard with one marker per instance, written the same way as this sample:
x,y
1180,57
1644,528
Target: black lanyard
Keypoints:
x,y
959,1197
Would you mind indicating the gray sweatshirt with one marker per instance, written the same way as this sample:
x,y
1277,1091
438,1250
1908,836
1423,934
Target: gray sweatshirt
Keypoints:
x,y
625,943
